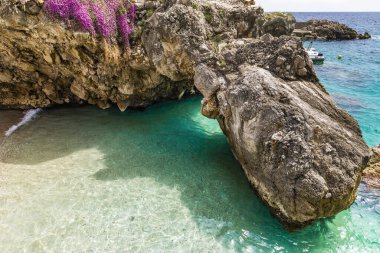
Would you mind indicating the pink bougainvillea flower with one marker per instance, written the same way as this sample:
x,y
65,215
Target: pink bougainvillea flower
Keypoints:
x,y
104,17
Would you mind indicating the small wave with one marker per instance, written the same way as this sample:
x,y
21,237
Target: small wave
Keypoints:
x,y
28,116
376,37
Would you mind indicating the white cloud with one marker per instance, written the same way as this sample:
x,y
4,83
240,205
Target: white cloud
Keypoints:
x,y
320,5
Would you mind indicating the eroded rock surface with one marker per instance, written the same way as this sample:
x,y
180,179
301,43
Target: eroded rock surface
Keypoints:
x,y
371,175
279,23
302,154
42,64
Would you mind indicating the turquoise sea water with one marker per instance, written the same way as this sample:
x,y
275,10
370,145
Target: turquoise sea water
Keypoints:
x,y
354,81
161,180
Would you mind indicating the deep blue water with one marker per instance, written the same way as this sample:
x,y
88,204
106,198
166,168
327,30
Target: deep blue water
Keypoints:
x,y
354,81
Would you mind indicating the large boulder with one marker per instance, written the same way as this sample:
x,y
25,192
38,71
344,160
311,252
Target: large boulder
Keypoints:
x,y
302,154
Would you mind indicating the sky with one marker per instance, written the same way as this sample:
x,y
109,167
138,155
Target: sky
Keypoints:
x,y
319,5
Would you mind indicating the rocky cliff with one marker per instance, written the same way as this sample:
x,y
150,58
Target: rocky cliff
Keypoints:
x,y
302,154
42,63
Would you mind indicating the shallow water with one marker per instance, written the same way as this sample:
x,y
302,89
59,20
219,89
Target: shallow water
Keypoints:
x,y
162,180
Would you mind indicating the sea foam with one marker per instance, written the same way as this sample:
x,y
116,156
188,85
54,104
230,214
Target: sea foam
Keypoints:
x,y
29,115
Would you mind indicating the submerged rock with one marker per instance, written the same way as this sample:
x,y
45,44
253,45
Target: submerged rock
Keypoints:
x,y
364,36
327,30
302,154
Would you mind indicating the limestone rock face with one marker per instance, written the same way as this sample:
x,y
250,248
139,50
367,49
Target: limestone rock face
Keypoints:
x,y
43,64
278,24
371,175
188,33
302,154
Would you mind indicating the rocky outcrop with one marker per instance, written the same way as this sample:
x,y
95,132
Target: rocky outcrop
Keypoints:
x,y
302,154
371,175
327,30
278,23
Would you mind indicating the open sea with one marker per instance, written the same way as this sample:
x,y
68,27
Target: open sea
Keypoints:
x,y
164,180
